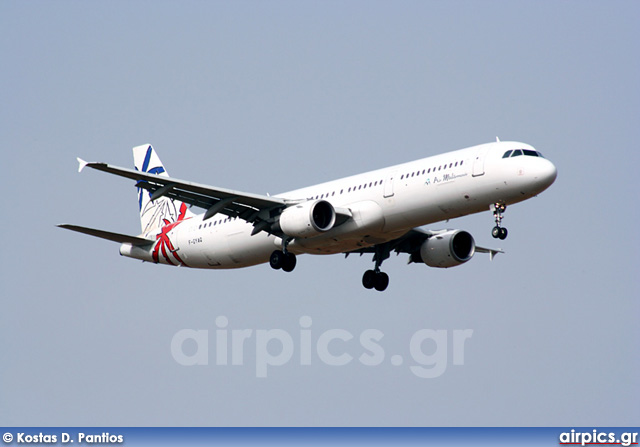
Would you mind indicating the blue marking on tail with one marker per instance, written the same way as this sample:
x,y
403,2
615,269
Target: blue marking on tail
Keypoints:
x,y
145,168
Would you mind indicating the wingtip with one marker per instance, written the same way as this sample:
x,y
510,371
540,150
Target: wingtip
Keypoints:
x,y
81,164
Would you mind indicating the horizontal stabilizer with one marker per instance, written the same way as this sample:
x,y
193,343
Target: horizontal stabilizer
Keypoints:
x,y
492,251
115,237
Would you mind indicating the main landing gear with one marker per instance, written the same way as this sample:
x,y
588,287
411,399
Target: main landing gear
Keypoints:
x,y
375,279
498,232
283,259
378,280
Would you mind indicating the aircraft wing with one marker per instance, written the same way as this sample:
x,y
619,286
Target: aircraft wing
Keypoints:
x,y
226,201
410,243
260,210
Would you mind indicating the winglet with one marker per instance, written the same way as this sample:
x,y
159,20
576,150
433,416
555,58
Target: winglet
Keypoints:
x,y
82,164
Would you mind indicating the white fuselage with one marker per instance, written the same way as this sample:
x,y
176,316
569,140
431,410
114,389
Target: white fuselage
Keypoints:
x,y
385,204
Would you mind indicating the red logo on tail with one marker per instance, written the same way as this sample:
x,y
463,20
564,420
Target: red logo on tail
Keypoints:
x,y
164,244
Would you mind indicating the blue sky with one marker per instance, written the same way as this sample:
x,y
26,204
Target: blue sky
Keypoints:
x,y
268,97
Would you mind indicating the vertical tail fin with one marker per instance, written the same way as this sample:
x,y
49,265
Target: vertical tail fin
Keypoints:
x,y
162,211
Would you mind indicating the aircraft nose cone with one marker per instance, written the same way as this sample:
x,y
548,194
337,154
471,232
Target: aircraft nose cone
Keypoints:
x,y
551,172
546,174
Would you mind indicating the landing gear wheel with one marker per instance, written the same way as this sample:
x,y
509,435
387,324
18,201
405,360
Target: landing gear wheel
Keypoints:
x,y
496,232
503,233
289,262
381,281
277,260
369,279
373,280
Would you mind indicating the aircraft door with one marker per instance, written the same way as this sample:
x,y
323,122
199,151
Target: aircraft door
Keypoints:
x,y
478,162
388,185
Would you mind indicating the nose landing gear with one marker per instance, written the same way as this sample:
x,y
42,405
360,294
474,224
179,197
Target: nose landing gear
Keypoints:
x,y
498,232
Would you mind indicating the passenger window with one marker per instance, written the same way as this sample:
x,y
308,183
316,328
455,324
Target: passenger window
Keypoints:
x,y
516,153
507,154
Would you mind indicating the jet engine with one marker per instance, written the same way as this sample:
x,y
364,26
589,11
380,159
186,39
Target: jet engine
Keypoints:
x,y
448,249
307,219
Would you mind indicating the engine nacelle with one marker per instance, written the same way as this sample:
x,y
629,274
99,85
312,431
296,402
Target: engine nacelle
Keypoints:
x,y
448,249
308,219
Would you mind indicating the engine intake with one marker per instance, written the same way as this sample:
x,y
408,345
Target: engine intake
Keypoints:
x,y
448,249
307,219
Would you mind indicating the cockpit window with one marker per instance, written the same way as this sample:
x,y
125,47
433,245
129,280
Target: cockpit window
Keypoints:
x,y
540,154
517,152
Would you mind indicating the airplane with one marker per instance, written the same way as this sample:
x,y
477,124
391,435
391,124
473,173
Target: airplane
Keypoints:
x,y
377,212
